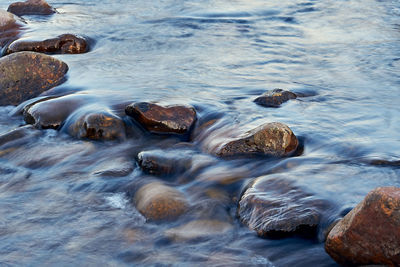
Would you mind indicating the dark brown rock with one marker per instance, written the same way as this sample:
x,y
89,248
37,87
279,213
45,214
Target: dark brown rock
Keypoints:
x,y
9,28
370,233
271,139
25,75
63,44
158,119
276,207
157,201
275,98
31,7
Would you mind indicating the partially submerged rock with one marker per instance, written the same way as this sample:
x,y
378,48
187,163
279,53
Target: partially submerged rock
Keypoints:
x,y
118,167
275,98
158,119
31,7
198,229
25,75
63,44
272,139
370,233
9,28
157,201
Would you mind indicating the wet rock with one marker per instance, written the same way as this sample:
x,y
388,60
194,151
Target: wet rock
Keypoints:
x,y
157,201
63,44
158,119
370,233
276,207
158,162
275,98
198,229
18,134
9,28
31,7
384,163
25,75
118,167
272,139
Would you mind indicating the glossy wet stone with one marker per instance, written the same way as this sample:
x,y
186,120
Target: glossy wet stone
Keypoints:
x,y
63,44
23,132
158,119
9,28
25,75
31,7
271,139
370,233
275,98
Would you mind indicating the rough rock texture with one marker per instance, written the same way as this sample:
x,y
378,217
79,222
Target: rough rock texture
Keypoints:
x,y
198,229
275,207
9,28
271,139
63,44
370,233
31,7
25,75
158,162
158,119
157,201
274,98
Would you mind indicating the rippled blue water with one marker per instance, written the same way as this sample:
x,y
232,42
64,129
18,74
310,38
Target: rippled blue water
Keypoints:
x,y
217,56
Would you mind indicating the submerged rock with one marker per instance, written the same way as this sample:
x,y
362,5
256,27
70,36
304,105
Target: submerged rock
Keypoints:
x,y
25,75
370,233
158,119
276,207
275,98
31,7
63,44
157,201
272,139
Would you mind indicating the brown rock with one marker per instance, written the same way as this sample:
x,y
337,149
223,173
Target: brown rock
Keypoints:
x,y
31,7
25,75
157,201
9,28
198,229
63,44
271,139
370,233
276,207
157,119
158,162
275,98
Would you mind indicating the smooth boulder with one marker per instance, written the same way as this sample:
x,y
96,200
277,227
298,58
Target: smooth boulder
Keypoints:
x,y
370,233
275,98
9,28
158,119
271,139
31,7
25,75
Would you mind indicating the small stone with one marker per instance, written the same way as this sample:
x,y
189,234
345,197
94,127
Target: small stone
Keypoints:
x,y
370,233
158,119
31,7
274,98
16,134
63,44
118,167
272,139
157,201
25,75
158,162
198,229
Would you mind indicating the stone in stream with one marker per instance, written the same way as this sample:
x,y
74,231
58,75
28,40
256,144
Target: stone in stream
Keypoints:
x,y
158,119
9,28
31,7
276,207
275,98
271,139
63,44
157,201
370,233
25,75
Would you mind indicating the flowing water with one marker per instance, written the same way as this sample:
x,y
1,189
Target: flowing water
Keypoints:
x,y
69,202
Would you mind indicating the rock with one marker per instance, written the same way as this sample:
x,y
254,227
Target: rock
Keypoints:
x,y
198,229
25,75
275,98
271,139
157,201
158,162
118,167
370,233
31,7
276,207
9,28
63,44
23,132
158,119
384,163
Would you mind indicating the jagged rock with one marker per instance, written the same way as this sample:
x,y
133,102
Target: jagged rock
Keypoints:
x,y
275,98
31,7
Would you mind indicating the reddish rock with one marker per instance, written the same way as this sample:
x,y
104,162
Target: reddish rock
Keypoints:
x,y
31,7
275,98
158,119
25,75
370,233
63,44
271,139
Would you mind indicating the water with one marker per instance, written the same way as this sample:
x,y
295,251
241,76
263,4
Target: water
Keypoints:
x,y
69,202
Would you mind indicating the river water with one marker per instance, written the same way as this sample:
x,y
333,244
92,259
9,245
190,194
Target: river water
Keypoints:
x,y
68,202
